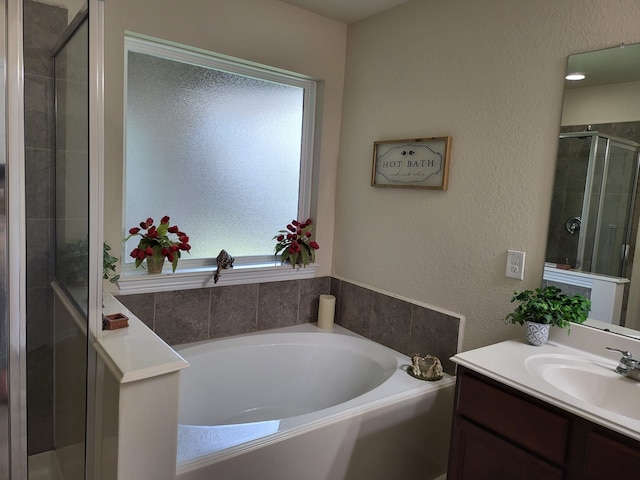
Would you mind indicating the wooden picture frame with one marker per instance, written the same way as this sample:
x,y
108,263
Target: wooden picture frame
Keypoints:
x,y
413,163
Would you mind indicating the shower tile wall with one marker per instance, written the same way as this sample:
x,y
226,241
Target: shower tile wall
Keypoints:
x,y
200,314
42,27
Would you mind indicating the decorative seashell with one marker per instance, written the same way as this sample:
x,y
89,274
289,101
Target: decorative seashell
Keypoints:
x,y
428,367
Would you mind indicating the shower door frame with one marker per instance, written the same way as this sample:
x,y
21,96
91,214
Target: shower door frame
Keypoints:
x,y
628,145
16,237
93,464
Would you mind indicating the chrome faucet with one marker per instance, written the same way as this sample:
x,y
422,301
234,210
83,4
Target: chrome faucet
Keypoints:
x,y
628,366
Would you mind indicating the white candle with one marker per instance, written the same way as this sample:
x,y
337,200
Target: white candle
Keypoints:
x,y
326,311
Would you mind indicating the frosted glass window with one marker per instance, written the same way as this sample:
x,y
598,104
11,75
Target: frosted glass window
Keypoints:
x,y
224,154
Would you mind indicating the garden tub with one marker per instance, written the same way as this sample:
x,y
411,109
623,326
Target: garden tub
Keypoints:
x,y
302,402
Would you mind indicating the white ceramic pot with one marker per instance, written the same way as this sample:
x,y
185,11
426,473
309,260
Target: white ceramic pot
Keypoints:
x,y
537,333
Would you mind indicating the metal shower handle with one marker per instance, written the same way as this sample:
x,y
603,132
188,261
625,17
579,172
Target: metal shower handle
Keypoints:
x,y
572,225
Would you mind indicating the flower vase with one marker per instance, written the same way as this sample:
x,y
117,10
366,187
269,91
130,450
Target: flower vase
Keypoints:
x,y
298,262
155,262
537,333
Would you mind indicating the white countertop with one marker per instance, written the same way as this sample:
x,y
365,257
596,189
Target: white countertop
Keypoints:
x,y
506,363
135,352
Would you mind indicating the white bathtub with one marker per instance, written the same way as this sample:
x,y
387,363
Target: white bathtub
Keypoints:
x,y
302,402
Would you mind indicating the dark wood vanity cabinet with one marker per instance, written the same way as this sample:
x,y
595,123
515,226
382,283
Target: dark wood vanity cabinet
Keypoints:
x,y
609,458
500,433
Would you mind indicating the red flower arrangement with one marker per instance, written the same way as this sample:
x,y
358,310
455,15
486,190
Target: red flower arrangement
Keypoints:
x,y
295,243
156,244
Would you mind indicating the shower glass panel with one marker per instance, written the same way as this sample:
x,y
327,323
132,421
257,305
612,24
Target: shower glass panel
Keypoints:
x,y
612,243
71,237
592,207
72,162
590,202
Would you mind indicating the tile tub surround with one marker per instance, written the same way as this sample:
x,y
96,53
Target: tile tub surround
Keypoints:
x,y
193,315
397,323
185,316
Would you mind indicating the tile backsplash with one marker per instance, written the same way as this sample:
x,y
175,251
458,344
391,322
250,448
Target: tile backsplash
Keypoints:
x,y
404,326
199,314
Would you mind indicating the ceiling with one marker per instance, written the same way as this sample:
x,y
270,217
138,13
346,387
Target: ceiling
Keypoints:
x,y
602,67
345,11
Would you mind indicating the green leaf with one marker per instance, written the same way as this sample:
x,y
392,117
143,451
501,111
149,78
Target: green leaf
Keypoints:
x,y
162,229
304,254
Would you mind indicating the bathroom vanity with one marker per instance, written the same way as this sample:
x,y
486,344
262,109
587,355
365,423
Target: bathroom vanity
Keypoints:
x,y
550,412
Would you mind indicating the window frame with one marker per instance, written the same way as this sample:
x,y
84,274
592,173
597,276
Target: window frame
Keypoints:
x,y
192,273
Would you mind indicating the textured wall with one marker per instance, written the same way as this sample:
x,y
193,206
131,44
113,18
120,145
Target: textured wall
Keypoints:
x,y
263,31
490,74
606,104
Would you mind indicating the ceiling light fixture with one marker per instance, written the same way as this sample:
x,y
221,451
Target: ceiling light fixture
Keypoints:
x,y
575,76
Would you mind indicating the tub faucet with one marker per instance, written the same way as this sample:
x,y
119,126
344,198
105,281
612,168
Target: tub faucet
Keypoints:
x,y
628,366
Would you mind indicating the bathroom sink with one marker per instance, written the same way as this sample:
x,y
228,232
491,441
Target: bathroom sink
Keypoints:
x,y
588,380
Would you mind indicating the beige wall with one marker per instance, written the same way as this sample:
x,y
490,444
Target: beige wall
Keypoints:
x,y
490,74
262,31
605,104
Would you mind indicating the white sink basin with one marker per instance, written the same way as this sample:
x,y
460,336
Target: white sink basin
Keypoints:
x,y
588,380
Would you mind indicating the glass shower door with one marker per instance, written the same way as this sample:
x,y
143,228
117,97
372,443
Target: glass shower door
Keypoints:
x,y
592,190
71,269
615,207
57,171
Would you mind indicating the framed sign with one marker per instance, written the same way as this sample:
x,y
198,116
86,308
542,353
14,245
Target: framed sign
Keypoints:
x,y
415,163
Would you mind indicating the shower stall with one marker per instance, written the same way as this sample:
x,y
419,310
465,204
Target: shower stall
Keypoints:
x,y
592,227
48,246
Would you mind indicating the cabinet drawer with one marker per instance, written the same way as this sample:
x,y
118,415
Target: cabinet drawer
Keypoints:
x,y
518,420
480,455
608,458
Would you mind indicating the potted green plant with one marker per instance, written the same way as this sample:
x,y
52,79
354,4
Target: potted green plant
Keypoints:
x,y
109,264
72,263
546,307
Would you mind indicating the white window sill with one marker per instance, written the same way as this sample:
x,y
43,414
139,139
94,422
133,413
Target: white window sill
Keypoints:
x,y
138,281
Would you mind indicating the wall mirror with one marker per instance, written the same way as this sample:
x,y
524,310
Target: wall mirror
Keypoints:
x,y
593,228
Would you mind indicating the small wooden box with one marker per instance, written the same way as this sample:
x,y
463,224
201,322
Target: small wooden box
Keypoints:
x,y
114,321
